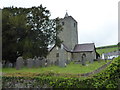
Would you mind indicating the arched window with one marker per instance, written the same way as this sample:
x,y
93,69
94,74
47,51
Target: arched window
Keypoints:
x,y
74,24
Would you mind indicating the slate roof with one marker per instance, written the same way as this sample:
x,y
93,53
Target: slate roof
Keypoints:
x,y
84,47
64,47
88,47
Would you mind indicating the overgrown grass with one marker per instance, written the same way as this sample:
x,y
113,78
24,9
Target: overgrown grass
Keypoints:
x,y
71,68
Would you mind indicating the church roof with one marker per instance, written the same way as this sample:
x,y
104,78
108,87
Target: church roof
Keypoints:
x,y
84,47
64,47
67,16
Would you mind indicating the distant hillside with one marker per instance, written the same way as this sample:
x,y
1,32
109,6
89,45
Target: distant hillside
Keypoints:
x,y
110,46
106,49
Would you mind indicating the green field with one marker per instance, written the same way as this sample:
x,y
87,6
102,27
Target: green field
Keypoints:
x,y
71,68
107,49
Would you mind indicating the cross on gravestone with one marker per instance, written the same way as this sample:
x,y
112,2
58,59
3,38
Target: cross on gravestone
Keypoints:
x,y
30,63
19,63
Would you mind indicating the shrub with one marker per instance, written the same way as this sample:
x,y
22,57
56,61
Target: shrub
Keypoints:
x,y
109,78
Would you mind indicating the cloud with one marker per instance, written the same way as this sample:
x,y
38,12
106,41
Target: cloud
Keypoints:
x,y
97,19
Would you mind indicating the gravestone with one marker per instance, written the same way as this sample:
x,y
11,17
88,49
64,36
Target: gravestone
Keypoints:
x,y
91,61
40,59
19,63
48,63
37,62
30,63
43,61
62,61
7,64
83,61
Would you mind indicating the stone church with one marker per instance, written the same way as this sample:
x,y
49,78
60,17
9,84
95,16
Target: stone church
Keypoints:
x,y
70,50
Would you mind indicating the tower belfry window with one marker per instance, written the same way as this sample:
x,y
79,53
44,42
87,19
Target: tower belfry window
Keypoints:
x,y
63,23
57,54
74,24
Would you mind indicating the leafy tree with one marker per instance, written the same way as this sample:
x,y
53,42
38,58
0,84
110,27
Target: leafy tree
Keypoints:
x,y
28,32
45,29
12,25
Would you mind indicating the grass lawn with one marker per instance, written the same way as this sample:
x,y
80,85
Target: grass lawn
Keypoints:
x,y
71,68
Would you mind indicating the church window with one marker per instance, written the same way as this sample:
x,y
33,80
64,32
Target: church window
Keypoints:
x,y
74,24
63,23
57,54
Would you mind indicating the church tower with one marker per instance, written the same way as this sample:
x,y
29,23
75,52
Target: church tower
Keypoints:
x,y
69,35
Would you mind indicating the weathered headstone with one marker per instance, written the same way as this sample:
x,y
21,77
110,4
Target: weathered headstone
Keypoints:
x,y
30,63
62,61
91,61
7,64
48,63
83,59
37,63
19,63
40,59
43,61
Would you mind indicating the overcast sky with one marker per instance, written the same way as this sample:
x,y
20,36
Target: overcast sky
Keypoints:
x,y
97,19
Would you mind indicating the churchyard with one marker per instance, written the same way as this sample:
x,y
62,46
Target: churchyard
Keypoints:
x,y
39,73
69,77
70,68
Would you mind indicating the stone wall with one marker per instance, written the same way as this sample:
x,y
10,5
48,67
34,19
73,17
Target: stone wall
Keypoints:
x,y
90,56
52,57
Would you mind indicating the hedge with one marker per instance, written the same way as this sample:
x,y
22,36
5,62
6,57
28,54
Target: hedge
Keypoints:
x,y
109,78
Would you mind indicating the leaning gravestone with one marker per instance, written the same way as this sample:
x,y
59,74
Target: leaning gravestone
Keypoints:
x,y
30,63
19,63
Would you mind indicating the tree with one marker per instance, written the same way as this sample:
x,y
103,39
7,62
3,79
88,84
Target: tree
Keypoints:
x,y
46,29
12,25
28,32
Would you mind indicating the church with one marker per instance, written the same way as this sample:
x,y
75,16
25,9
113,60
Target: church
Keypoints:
x,y
70,50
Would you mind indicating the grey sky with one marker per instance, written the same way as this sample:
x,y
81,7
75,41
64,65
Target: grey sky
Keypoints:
x,y
97,19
